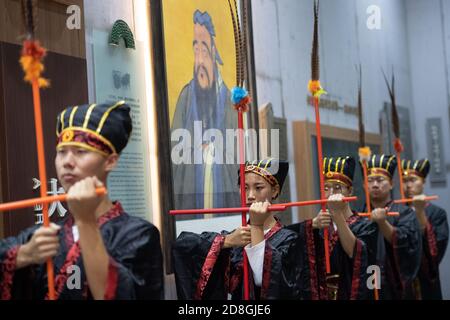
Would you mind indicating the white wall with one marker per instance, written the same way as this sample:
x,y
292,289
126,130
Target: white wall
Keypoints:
x,y
429,47
101,15
410,39
282,40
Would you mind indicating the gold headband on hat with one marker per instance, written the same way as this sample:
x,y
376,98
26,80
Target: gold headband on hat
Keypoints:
x,y
263,172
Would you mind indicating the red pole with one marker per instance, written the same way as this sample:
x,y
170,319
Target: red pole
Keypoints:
x,y
392,214
277,207
429,198
322,183
243,195
313,202
35,201
42,176
400,176
221,210
366,186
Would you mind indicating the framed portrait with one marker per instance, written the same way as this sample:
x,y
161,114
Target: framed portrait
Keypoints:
x,y
194,70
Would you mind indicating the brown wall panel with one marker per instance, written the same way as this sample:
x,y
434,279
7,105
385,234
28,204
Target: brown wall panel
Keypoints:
x,y
51,27
68,78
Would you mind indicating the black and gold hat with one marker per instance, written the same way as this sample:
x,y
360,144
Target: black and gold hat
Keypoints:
x,y
103,128
418,168
382,165
271,169
340,169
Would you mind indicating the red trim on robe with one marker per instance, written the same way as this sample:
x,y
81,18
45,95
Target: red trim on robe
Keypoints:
x,y
267,264
431,240
114,212
356,271
8,268
112,279
75,250
61,277
68,232
357,263
266,271
335,235
273,230
236,278
425,264
352,219
208,265
310,248
333,240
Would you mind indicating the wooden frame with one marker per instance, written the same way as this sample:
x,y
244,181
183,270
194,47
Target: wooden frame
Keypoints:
x,y
163,116
163,130
3,180
303,132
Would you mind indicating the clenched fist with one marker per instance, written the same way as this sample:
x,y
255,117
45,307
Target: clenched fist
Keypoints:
x,y
378,215
323,220
259,213
83,201
238,238
44,244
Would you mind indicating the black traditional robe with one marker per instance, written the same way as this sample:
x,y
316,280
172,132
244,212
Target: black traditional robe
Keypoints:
x,y
351,271
434,242
311,272
399,261
205,270
135,268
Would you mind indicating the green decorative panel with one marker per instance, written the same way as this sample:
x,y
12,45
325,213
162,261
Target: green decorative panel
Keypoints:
x,y
120,30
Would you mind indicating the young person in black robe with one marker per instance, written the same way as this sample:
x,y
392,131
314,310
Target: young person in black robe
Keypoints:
x,y
399,245
352,239
210,265
98,251
434,228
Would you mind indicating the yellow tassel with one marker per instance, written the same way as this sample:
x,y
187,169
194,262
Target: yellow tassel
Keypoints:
x,y
33,69
315,88
364,153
